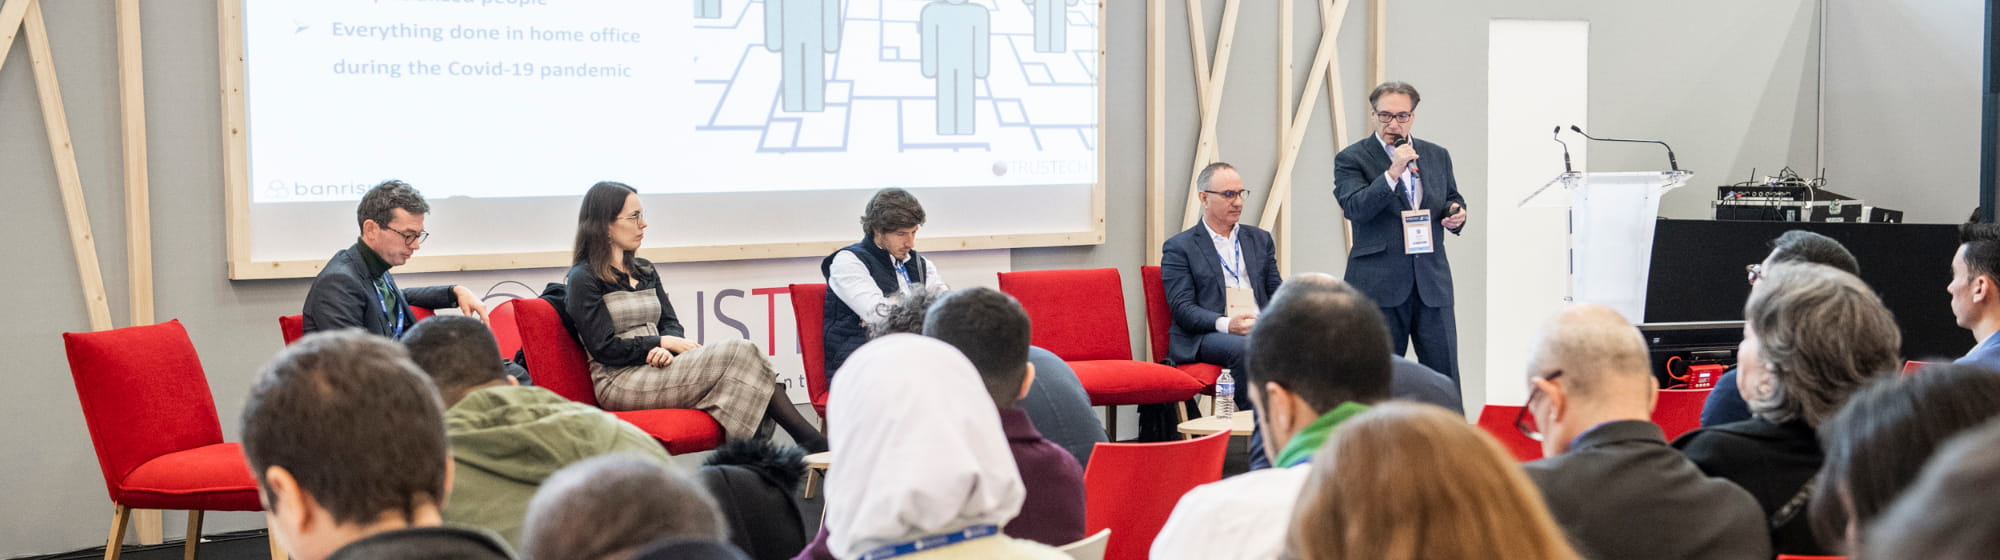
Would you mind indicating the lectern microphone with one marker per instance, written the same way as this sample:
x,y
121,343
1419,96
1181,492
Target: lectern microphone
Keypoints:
x,y
1671,162
1559,140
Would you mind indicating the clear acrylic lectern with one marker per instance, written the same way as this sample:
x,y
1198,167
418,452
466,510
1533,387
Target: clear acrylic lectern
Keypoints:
x,y
1611,219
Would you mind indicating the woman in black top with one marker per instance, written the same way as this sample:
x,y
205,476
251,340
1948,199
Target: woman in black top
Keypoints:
x,y
1812,336
638,358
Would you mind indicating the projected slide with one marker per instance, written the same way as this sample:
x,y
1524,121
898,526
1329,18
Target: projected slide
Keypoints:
x,y
513,98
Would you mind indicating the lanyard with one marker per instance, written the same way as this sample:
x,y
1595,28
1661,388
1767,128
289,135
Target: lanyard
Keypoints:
x,y
1239,259
935,541
902,271
396,317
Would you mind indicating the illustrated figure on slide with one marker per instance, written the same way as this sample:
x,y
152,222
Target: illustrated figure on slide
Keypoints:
x,y
805,31
1051,24
708,9
955,36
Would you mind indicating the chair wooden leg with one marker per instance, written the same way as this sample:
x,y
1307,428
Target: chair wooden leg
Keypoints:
x,y
116,544
1111,423
812,483
277,552
193,535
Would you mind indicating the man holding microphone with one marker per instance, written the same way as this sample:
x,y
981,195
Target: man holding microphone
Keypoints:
x,y
1398,191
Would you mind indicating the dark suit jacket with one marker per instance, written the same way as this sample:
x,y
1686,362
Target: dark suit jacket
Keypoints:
x,y
1620,492
343,296
1193,275
1770,460
1377,265
1412,381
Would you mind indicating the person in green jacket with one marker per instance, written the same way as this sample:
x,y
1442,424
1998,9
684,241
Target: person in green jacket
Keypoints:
x,y
507,439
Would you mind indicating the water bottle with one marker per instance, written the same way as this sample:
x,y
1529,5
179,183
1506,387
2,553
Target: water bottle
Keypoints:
x,y
1225,396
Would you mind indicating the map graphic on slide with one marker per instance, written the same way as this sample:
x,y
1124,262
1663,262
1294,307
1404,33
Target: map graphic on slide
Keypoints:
x,y
524,98
908,76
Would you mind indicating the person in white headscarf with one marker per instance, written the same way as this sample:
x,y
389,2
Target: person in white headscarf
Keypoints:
x,y
922,469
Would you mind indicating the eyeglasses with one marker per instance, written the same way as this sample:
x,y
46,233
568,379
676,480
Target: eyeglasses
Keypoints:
x,y
636,217
410,237
1756,271
1524,421
1403,117
1231,195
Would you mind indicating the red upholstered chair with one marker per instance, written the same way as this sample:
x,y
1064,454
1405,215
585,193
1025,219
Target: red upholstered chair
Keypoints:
x,y
154,426
1912,367
293,327
809,313
1159,320
1080,316
500,318
557,363
1679,410
1131,488
1498,421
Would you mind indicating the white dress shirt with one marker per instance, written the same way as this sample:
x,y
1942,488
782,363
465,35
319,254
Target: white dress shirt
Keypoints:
x,y
1230,253
1241,517
849,279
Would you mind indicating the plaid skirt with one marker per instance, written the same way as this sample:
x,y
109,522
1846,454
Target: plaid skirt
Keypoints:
x,y
730,379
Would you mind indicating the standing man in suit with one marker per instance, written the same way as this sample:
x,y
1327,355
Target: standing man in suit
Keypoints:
x,y
1610,478
1217,275
1398,190
355,288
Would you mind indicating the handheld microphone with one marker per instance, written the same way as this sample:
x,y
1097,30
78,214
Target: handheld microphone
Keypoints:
x,y
1559,140
1402,139
1671,162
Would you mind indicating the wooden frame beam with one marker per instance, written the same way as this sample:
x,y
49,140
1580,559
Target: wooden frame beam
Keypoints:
x,y
1208,88
1286,15
138,200
1325,64
56,123
1378,44
1156,129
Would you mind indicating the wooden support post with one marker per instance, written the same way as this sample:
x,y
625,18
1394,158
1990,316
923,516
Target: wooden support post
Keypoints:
x,y
56,123
1378,43
1156,129
138,200
11,14
1286,11
1209,86
1331,14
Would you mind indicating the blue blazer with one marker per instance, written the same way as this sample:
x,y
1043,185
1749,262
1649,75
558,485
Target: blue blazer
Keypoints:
x,y
1377,265
1192,272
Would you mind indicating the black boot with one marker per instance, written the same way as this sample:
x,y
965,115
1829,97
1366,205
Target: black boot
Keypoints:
x,y
795,424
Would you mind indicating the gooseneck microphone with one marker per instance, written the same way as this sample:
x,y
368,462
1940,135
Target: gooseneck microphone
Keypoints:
x,y
1559,140
1671,162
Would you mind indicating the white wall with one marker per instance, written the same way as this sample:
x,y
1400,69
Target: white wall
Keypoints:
x,y
1902,105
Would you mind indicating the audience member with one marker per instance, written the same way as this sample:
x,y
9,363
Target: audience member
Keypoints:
x,y
355,288
1412,381
505,439
686,549
862,278
1877,444
922,457
613,505
756,484
1318,350
1609,477
346,440
1725,403
991,330
1975,291
1410,482
638,358
1947,514
1056,403
1812,335
1217,275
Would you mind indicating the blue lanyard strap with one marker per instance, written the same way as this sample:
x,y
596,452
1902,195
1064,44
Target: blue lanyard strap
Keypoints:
x,y
1239,258
395,317
903,271
935,541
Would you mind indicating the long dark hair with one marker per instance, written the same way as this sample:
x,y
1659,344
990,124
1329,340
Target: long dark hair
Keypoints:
x,y
593,222
1877,444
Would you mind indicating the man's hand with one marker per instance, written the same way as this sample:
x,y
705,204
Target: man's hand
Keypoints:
x,y
659,357
677,344
1241,324
1400,160
469,304
1454,221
